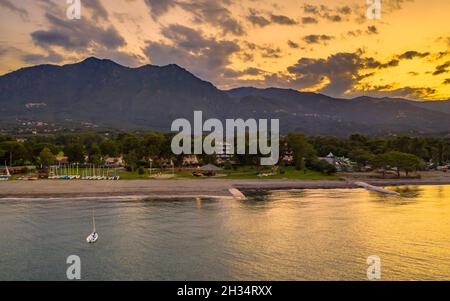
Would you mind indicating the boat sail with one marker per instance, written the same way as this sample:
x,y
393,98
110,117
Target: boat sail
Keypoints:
x,y
93,237
7,176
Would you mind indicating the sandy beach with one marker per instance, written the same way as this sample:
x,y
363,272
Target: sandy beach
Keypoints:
x,y
190,187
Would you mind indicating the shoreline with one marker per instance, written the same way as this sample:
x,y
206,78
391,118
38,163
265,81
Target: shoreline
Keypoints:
x,y
183,188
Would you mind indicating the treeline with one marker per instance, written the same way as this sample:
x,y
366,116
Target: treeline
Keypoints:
x,y
138,148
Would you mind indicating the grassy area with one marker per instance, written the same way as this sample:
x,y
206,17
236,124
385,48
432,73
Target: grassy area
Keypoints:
x,y
249,172
245,172
290,173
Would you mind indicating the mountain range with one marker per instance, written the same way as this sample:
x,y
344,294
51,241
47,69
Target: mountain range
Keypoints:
x,y
108,95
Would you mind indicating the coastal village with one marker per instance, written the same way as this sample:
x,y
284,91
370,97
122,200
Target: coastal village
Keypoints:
x,y
222,165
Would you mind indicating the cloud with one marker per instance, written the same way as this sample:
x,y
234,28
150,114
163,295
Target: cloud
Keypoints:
x,y
98,10
206,57
409,55
339,72
282,20
214,13
442,68
159,7
256,19
50,57
309,20
21,12
446,81
372,29
270,52
345,10
252,71
317,39
327,13
80,35
418,93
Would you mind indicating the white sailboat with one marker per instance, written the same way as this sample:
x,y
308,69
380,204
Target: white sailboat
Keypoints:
x,y
93,237
7,176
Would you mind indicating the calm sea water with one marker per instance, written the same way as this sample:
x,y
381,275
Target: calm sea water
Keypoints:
x,y
282,235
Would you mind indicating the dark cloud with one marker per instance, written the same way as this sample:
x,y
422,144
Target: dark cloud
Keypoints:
x,y
21,12
372,29
256,19
342,70
316,39
417,93
214,13
409,55
309,20
76,35
206,57
345,10
311,9
97,8
270,52
283,20
159,7
333,18
374,64
252,71
326,13
446,81
442,68
50,57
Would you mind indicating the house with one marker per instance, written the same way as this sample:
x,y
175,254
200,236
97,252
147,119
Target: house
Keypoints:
x,y
114,162
288,158
223,150
330,158
341,163
62,160
190,160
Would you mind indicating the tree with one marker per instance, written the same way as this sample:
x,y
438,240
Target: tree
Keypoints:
x,y
154,144
46,157
75,152
398,160
301,148
131,159
109,148
360,156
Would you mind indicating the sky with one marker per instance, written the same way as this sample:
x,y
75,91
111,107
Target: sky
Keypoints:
x,y
327,46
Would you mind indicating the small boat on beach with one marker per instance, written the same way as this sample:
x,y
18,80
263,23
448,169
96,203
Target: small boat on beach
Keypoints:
x,y
7,176
93,237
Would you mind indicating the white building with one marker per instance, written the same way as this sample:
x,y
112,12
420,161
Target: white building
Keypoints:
x,y
224,150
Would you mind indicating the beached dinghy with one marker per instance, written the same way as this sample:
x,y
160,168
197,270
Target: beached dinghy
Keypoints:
x,y
7,176
93,237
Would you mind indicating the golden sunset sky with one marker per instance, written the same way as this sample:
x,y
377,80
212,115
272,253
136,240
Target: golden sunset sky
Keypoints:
x,y
327,46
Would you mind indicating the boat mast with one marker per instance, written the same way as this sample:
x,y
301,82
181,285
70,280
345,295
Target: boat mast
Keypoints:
x,y
7,170
93,220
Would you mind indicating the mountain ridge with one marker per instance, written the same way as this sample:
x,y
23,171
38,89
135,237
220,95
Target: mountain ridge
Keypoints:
x,y
107,94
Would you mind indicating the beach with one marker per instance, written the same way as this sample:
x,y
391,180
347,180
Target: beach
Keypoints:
x,y
192,187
